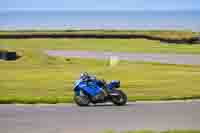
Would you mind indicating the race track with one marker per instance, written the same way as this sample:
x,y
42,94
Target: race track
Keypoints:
x,y
162,58
64,118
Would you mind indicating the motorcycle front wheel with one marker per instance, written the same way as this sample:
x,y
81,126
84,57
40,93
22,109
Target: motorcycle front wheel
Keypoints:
x,y
120,99
82,100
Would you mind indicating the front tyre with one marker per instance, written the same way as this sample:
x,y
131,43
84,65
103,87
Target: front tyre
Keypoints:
x,y
120,99
82,100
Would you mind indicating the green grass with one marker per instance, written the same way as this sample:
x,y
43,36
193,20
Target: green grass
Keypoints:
x,y
149,131
117,45
38,78
166,34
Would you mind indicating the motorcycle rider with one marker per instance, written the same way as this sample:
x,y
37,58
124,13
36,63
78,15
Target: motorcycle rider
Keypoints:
x,y
85,77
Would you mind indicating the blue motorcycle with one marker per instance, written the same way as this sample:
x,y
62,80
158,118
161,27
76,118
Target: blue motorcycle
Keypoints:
x,y
98,91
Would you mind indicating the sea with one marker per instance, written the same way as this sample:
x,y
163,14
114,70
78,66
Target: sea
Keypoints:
x,y
77,19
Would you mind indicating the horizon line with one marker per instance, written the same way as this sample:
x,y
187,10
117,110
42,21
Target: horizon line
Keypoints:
x,y
63,9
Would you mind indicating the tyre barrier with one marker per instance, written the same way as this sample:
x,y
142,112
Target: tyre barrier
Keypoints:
x,y
8,55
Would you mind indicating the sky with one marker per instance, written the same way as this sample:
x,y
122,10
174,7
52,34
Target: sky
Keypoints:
x,y
100,4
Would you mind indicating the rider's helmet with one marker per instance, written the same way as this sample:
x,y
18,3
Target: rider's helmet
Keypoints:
x,y
84,76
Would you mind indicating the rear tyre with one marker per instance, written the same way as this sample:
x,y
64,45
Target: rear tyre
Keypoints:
x,y
82,100
121,99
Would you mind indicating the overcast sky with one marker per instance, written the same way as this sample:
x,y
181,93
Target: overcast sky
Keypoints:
x,y
101,4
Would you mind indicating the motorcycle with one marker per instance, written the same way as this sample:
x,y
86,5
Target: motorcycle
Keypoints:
x,y
98,92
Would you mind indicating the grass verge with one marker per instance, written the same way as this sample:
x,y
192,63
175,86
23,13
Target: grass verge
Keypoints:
x,y
149,131
165,34
38,78
115,45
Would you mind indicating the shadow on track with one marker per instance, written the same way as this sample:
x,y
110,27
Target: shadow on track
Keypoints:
x,y
107,105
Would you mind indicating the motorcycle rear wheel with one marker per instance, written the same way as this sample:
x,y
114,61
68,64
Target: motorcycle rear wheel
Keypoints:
x,y
121,99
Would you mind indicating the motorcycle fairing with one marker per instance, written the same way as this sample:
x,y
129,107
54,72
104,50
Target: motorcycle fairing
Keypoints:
x,y
90,88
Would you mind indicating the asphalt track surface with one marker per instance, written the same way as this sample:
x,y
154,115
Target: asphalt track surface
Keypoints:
x,y
162,58
63,118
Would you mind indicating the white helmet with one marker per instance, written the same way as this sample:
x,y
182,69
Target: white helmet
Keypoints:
x,y
84,76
